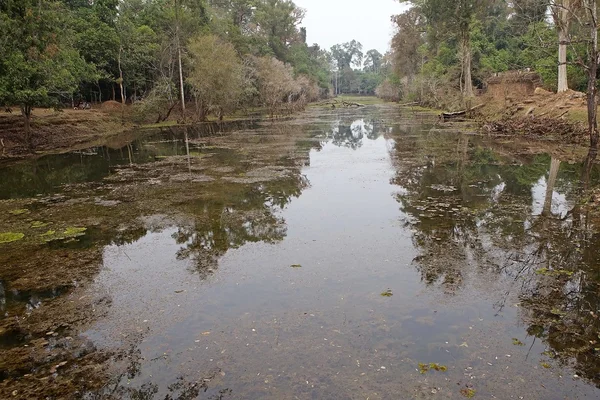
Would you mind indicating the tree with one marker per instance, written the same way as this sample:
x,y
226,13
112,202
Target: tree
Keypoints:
x,y
278,20
216,75
347,54
275,81
563,12
43,64
456,19
373,61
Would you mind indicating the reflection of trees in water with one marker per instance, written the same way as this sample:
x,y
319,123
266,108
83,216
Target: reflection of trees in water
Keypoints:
x,y
246,214
119,386
350,132
465,204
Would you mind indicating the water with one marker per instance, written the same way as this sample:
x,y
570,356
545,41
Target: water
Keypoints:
x,y
256,267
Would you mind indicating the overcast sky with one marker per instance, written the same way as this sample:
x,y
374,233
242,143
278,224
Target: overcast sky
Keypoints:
x,y
329,22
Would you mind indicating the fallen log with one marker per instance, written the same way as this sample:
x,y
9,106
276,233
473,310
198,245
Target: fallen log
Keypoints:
x,y
452,115
351,104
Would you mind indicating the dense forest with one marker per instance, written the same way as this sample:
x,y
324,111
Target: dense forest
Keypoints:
x,y
453,47
201,58
443,52
191,58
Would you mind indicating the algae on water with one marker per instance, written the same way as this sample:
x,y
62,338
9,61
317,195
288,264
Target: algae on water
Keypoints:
x,y
19,211
39,224
8,237
423,368
70,234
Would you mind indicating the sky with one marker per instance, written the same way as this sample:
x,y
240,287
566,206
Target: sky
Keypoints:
x,y
330,22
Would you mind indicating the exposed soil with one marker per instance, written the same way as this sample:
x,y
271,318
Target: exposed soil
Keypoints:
x,y
544,115
58,130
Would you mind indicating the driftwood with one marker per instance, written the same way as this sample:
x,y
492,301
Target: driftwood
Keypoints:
x,y
335,103
538,127
453,115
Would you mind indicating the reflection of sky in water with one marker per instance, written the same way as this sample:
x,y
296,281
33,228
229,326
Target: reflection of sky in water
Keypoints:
x,y
560,204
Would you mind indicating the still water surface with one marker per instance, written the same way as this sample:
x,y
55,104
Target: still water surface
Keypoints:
x,y
276,290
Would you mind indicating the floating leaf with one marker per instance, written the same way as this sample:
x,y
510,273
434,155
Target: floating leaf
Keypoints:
x,y
546,365
8,237
387,293
469,393
296,266
517,342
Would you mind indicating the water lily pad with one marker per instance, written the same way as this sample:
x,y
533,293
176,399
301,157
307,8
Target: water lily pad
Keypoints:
x,y
8,237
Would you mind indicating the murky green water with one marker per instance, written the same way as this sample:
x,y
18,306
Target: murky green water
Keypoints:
x,y
253,265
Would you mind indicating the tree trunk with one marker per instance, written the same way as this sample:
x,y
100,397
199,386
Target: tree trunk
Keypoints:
x,y
562,20
563,84
26,112
592,102
121,87
554,167
467,63
181,88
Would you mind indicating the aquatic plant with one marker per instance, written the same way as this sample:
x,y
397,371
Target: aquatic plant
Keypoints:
x,y
423,368
8,237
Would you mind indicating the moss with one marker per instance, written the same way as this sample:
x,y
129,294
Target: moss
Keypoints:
x,y
8,237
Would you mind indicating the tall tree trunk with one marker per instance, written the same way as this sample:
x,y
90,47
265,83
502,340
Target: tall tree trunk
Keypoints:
x,y
121,87
26,112
467,64
592,101
562,20
179,59
554,167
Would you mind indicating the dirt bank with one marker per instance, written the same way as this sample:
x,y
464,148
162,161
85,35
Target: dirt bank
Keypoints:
x,y
543,115
58,130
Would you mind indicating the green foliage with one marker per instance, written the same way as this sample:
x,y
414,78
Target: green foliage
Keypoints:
x,y
40,64
502,36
